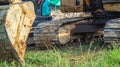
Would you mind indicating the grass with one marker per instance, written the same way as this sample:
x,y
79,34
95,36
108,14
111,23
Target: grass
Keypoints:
x,y
87,56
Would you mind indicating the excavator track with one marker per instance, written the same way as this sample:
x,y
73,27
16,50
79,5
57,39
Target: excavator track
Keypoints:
x,y
64,31
46,33
112,31
58,32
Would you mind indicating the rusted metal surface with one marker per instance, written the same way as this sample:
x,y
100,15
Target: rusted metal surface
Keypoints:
x,y
15,23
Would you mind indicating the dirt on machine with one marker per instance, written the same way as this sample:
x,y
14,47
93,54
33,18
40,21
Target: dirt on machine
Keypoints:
x,y
16,19
99,21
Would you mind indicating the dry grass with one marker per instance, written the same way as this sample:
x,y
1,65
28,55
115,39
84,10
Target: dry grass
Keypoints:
x,y
87,56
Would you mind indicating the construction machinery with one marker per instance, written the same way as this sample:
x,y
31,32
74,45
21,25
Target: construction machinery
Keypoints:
x,y
99,21
16,19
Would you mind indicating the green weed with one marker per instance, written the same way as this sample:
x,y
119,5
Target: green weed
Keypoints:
x,y
79,56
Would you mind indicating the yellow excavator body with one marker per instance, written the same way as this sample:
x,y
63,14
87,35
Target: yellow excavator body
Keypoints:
x,y
104,12
79,5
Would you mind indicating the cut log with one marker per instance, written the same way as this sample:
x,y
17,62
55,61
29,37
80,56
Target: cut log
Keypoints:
x,y
15,24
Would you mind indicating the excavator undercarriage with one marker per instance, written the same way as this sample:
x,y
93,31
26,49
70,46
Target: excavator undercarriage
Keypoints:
x,y
101,25
65,30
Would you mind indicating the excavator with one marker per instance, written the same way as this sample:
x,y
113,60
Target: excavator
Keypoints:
x,y
16,19
99,21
